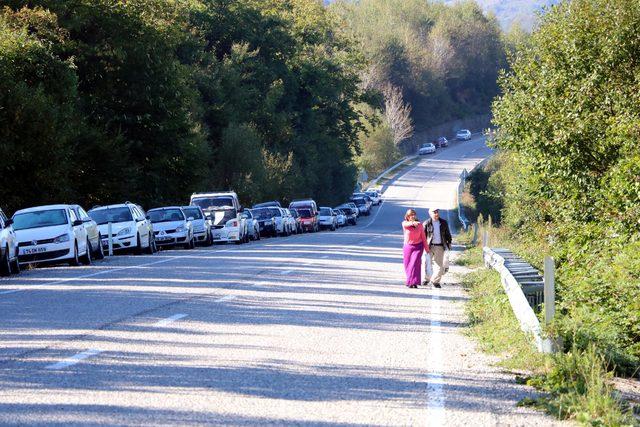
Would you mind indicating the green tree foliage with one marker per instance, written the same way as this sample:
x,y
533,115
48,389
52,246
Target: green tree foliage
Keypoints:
x,y
445,57
149,100
570,121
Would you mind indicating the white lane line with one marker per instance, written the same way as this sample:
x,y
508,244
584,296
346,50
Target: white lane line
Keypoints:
x,y
286,272
435,395
74,359
11,291
226,298
169,320
324,256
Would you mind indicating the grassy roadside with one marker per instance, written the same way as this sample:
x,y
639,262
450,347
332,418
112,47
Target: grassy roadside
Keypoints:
x,y
384,180
576,385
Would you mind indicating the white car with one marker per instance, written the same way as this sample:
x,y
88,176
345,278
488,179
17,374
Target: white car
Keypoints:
x,y
341,217
280,222
51,233
93,233
8,247
171,227
463,135
252,224
222,211
201,227
130,227
375,197
327,218
426,148
290,221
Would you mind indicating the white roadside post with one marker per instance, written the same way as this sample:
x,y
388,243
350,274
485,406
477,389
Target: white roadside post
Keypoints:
x,y
110,231
549,294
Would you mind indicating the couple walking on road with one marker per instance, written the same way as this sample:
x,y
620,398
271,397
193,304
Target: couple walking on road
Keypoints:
x,y
433,237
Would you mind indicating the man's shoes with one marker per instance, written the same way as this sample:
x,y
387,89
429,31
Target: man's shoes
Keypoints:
x,y
437,285
425,283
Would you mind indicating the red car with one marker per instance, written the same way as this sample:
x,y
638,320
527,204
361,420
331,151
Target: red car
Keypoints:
x,y
308,210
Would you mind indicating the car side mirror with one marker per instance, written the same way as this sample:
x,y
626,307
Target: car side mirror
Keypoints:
x,y
8,222
77,222
147,217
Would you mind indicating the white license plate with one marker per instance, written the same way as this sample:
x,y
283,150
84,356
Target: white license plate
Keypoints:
x,y
34,251
163,238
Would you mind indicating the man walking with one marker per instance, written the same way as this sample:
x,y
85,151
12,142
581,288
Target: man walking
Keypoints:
x,y
439,240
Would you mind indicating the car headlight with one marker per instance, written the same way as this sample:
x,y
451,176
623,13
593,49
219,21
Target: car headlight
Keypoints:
x,y
61,238
124,231
232,223
181,228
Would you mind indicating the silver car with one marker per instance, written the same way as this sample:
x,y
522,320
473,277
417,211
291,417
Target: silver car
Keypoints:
x,y
201,227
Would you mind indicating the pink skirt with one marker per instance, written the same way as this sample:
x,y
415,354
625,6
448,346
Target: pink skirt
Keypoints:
x,y
413,262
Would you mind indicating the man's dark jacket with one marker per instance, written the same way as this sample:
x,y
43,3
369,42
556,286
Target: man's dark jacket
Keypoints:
x,y
445,234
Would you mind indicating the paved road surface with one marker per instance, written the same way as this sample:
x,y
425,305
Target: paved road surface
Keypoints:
x,y
309,330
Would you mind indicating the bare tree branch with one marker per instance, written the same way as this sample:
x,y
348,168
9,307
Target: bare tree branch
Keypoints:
x,y
397,113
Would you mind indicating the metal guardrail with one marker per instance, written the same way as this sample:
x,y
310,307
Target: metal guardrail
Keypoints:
x,y
374,182
527,290
461,216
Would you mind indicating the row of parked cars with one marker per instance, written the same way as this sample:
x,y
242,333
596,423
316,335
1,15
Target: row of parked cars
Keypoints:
x,y
440,142
67,233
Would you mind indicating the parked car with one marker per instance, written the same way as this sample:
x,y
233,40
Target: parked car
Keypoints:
x,y
426,148
171,227
93,233
309,220
351,213
374,196
341,217
308,210
52,234
271,204
377,191
296,215
130,227
266,221
327,218
201,227
363,206
291,221
353,206
441,142
252,224
8,247
222,211
369,202
463,135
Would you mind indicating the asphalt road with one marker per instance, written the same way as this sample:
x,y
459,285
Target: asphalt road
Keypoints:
x,y
308,330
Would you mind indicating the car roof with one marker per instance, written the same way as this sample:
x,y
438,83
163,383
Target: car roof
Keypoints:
x,y
42,208
165,207
214,194
117,205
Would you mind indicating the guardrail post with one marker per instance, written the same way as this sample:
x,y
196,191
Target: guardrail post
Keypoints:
x,y
549,289
485,239
110,231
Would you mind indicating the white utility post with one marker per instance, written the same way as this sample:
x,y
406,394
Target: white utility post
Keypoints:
x,y
110,231
549,289
485,239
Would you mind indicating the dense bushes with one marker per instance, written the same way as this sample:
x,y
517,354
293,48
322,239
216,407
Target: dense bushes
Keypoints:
x,y
150,100
569,124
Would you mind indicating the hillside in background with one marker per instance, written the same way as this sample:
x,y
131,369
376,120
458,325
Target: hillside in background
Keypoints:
x,y
508,12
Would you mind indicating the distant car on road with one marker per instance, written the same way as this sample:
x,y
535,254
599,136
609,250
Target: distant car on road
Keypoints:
x,y
171,227
130,227
463,135
8,247
375,197
51,233
363,205
350,212
426,148
441,142
201,227
308,209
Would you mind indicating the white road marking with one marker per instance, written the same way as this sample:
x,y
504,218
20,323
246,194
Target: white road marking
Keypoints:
x,y
435,395
226,298
286,272
74,359
324,256
169,320
11,291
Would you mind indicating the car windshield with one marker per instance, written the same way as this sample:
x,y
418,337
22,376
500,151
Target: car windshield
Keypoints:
x,y
359,201
46,218
262,213
214,203
192,213
371,194
166,215
106,215
247,214
304,213
275,212
325,212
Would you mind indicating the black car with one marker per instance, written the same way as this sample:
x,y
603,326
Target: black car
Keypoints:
x,y
266,221
350,213
441,142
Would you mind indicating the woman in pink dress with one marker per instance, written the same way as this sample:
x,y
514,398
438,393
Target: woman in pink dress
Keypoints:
x,y
415,241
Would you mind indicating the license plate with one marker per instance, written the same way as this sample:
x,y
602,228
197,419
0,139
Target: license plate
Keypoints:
x,y
34,251
163,238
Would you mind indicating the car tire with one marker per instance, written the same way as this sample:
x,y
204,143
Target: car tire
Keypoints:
x,y
138,250
15,265
209,241
258,236
100,252
5,266
86,258
75,261
150,247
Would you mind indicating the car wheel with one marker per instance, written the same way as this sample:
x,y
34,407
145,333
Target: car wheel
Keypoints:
x,y
86,259
258,236
15,265
192,243
150,247
5,267
209,239
75,261
100,252
138,250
